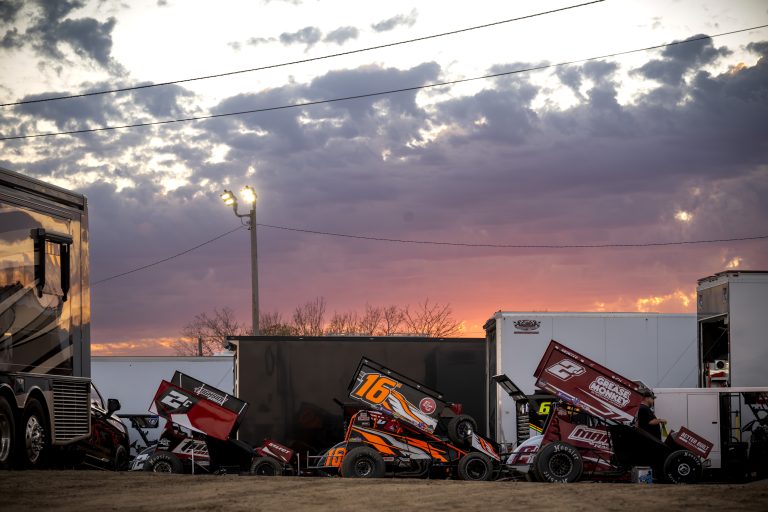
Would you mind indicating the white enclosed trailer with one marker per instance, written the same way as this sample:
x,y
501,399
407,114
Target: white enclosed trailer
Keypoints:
x,y
658,349
733,321
135,379
735,420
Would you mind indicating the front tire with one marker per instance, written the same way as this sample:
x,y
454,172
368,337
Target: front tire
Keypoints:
x,y
558,462
34,436
266,466
475,467
682,467
163,462
120,460
363,462
7,434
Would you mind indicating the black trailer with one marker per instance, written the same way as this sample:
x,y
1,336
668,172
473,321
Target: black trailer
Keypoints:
x,y
295,385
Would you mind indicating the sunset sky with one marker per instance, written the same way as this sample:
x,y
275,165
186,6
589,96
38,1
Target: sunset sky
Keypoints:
x,y
664,145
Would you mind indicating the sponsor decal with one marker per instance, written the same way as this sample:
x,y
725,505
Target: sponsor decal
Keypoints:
x,y
590,436
609,390
566,369
427,405
211,395
527,326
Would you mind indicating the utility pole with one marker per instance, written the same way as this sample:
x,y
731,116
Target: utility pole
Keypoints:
x,y
254,271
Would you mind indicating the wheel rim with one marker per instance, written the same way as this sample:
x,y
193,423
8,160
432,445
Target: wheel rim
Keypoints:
x,y
35,439
464,429
364,467
683,469
162,466
5,438
476,469
560,465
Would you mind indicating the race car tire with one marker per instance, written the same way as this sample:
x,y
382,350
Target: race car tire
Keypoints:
x,y
163,462
363,462
7,434
120,460
266,466
682,467
33,436
461,428
475,467
558,462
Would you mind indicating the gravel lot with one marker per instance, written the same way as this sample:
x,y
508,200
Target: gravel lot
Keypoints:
x,y
97,491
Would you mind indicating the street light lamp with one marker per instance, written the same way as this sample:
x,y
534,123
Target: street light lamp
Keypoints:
x,y
249,196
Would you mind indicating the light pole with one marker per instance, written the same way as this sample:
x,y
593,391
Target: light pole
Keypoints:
x,y
249,196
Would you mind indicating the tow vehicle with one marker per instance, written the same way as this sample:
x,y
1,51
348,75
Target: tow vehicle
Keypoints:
x,y
199,434
590,432
404,428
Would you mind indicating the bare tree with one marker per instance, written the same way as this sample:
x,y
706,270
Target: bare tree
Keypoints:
x,y
272,324
434,320
211,330
370,322
391,320
343,323
308,318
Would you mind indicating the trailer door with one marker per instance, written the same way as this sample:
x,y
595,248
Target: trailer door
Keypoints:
x,y
704,419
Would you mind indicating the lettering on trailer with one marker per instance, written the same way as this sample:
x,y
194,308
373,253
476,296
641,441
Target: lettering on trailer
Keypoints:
x,y
211,395
590,436
611,391
566,369
527,326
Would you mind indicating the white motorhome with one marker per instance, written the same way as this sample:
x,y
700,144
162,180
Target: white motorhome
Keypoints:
x,y
657,349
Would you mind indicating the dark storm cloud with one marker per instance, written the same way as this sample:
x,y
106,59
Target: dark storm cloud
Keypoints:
x,y
341,35
9,9
677,60
52,27
396,21
308,36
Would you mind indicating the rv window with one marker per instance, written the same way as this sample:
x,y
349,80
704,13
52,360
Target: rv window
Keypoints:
x,y
52,262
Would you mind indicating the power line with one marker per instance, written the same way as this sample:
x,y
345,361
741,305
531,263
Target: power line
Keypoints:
x,y
516,246
380,93
166,259
302,61
428,242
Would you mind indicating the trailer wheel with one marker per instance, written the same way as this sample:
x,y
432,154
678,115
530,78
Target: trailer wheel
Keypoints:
x,y
266,466
163,462
363,462
682,467
34,438
461,428
7,434
558,462
476,467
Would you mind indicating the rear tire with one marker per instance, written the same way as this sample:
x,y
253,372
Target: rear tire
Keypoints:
x,y
558,462
266,466
163,462
461,428
363,462
33,437
7,434
682,467
475,467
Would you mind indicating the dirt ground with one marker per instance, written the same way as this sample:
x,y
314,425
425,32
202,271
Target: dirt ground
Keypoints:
x,y
100,491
